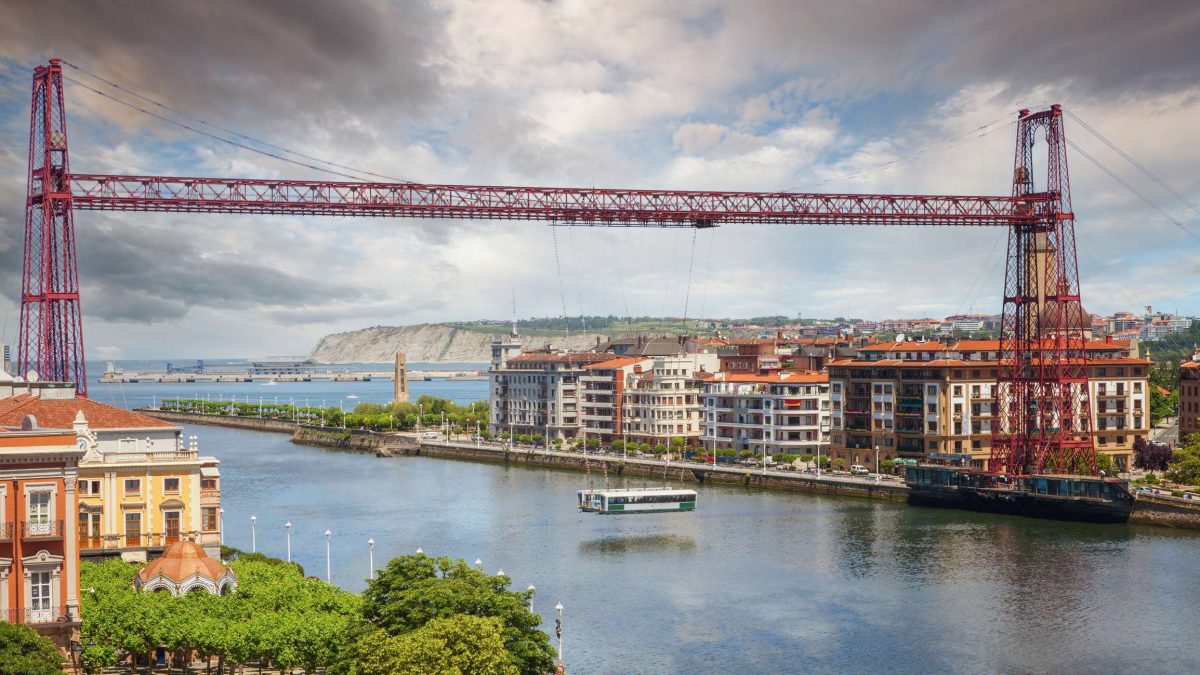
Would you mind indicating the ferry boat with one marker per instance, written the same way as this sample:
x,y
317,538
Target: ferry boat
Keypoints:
x,y
637,500
1062,497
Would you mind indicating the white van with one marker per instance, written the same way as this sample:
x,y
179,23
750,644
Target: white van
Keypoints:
x,y
858,470
431,435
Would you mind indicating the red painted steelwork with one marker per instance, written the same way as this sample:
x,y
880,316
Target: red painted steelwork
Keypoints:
x,y
51,332
1041,413
563,206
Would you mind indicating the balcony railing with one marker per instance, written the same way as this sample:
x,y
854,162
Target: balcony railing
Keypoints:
x,y
90,543
156,456
57,614
49,529
6,531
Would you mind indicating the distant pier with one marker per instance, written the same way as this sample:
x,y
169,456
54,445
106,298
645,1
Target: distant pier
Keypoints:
x,y
248,375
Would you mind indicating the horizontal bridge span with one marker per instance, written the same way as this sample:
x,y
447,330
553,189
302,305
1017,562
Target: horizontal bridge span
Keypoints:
x,y
562,206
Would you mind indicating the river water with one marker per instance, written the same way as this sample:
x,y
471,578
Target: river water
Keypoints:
x,y
753,581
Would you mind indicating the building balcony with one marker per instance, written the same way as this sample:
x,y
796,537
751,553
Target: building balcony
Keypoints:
x,y
6,531
50,529
850,411
150,457
34,617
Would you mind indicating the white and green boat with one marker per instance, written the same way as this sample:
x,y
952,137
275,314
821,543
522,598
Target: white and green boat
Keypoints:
x,y
637,500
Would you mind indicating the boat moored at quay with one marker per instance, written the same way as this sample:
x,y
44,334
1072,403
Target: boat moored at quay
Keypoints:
x,y
1094,499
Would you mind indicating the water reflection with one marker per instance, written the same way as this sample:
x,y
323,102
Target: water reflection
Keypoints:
x,y
648,543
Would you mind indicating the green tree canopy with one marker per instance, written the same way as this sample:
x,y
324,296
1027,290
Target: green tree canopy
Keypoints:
x,y
24,652
416,589
1185,463
458,645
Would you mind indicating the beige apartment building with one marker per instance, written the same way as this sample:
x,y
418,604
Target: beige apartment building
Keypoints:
x,y
536,393
909,399
784,412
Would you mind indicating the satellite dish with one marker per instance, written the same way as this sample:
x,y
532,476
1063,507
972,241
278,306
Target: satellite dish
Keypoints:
x,y
899,337
32,376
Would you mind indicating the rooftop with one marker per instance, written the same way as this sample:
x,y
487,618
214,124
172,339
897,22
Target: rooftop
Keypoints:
x,y
60,413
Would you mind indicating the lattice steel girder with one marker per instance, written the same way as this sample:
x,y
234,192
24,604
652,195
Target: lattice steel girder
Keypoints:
x,y
564,206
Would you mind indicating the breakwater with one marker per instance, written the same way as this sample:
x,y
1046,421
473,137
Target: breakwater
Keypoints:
x,y
251,423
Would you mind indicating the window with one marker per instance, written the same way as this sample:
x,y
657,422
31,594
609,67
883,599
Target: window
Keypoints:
x,y
133,486
170,485
208,483
133,528
958,390
171,524
39,508
41,605
89,487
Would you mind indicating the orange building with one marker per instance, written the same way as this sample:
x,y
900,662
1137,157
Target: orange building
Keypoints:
x,y
39,554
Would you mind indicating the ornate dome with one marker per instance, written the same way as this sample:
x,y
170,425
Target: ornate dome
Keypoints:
x,y
1075,317
183,567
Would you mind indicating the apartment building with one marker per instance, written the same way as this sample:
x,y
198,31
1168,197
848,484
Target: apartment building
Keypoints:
x,y
647,400
537,392
1189,396
140,487
909,399
784,412
39,558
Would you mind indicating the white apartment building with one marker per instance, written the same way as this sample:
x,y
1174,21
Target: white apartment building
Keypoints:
x,y
784,412
648,400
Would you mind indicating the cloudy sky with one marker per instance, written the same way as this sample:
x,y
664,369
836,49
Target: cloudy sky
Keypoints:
x,y
850,97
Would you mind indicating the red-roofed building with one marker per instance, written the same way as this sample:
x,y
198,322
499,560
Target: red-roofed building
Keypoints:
x,y
645,400
784,412
536,393
1189,396
912,398
39,555
140,487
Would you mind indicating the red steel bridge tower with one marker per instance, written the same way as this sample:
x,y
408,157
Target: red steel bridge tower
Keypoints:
x,y
51,333
1041,419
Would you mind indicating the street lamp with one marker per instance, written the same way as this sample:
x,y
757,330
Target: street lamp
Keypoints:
x,y
558,608
253,537
328,568
877,460
288,526
371,558
531,589
478,564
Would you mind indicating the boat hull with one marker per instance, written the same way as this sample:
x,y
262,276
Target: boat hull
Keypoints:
x,y
1081,509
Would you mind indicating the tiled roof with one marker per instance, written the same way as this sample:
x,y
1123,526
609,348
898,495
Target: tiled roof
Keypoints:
x,y
906,347
619,362
60,414
182,560
568,357
1191,364
786,376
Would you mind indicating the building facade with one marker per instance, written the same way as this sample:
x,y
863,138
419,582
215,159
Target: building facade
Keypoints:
x,y
536,393
39,555
1189,397
141,487
909,399
786,412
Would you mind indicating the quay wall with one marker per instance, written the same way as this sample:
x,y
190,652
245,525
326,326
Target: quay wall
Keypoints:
x,y
1166,511
251,423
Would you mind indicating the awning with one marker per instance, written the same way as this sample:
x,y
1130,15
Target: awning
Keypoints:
x,y
171,504
210,471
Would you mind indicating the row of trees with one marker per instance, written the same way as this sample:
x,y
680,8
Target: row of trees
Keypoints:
x,y
426,412
422,614
1180,465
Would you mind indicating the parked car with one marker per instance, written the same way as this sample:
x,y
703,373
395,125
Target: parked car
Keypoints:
x,y
858,470
430,434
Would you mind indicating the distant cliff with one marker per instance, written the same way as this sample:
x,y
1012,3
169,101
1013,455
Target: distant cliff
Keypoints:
x,y
426,343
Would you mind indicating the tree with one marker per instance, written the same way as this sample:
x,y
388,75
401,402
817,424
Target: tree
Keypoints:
x,y
24,652
1150,456
1185,463
416,589
457,645
1162,405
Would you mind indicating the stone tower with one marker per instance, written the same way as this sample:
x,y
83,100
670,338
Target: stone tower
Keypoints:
x,y
400,387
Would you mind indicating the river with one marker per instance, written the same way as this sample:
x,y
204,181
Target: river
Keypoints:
x,y
752,581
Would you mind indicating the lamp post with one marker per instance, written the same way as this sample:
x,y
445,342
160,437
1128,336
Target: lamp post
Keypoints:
x,y
478,436
288,526
478,564
371,558
328,567
558,608
531,589
877,460
253,537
